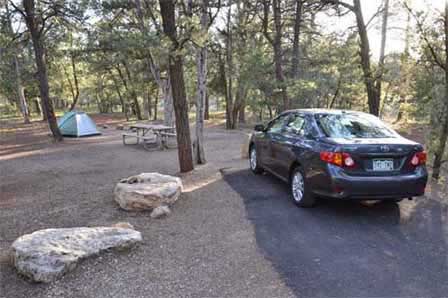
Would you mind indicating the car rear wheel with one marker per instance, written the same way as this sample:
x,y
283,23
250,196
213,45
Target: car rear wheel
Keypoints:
x,y
300,192
253,161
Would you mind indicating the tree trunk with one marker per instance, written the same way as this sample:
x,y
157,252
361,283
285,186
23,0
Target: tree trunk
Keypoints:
x,y
336,92
238,104
39,52
207,106
404,72
76,83
125,84
137,110
167,10
18,77
242,112
124,110
440,150
156,104
164,85
201,64
228,94
278,54
168,105
148,104
369,80
380,71
227,76
37,107
21,92
296,40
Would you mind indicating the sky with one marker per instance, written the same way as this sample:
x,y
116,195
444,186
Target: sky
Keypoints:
x,y
396,25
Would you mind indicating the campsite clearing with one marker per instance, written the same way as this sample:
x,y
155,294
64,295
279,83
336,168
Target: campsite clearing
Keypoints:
x,y
230,234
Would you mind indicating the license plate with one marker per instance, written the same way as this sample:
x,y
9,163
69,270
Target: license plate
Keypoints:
x,y
383,165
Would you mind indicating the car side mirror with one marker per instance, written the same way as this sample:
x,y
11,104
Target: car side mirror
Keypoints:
x,y
259,127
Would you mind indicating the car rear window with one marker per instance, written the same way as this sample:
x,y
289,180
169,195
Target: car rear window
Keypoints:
x,y
353,126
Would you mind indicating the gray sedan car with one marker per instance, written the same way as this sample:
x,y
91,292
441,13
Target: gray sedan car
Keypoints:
x,y
338,154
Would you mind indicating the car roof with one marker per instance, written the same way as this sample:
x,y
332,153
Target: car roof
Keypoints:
x,y
324,111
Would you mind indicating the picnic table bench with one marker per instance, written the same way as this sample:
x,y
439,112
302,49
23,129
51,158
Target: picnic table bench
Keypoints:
x,y
151,135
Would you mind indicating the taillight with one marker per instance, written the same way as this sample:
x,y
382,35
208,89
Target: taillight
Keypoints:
x,y
419,159
338,158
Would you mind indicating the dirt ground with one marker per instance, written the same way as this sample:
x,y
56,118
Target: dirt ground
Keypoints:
x,y
206,248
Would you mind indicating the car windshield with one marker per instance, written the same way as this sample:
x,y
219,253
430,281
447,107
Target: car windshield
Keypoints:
x,y
353,126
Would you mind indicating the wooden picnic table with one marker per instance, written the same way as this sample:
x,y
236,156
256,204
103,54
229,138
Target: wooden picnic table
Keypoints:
x,y
145,128
161,133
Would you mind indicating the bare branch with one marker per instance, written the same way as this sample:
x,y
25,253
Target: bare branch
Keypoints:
x,y
265,20
212,17
17,8
436,57
149,9
337,2
45,19
380,10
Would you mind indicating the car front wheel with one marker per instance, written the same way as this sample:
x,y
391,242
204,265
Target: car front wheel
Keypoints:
x,y
253,161
299,190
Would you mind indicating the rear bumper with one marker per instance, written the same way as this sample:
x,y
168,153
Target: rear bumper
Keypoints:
x,y
343,186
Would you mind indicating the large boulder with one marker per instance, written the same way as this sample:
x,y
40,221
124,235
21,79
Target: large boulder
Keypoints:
x,y
46,255
147,191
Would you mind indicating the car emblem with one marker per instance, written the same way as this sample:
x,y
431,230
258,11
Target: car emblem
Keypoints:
x,y
385,148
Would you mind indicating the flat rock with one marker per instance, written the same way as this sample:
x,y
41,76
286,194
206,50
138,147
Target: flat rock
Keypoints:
x,y
147,191
46,255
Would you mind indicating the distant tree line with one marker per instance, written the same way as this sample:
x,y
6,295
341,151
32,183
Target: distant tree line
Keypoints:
x,y
253,59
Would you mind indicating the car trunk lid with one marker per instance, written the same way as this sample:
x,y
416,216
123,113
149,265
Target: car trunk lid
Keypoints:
x,y
378,156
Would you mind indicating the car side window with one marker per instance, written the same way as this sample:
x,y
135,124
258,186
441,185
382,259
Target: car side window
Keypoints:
x,y
277,124
296,125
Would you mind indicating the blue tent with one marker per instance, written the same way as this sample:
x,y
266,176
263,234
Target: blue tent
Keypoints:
x,y
77,124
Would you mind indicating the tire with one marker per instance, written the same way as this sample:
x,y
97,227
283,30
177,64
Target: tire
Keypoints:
x,y
253,161
300,192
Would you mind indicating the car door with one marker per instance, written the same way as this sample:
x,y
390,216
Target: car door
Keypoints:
x,y
286,144
272,136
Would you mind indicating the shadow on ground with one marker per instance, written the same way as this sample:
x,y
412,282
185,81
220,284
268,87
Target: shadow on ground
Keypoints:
x,y
344,249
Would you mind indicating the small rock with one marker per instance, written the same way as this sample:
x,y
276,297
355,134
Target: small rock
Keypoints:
x,y
105,126
160,211
46,255
147,191
5,257
124,225
120,127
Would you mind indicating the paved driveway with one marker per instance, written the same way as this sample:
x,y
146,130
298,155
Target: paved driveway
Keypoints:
x,y
344,249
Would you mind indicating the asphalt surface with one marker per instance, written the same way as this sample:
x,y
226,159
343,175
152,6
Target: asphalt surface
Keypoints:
x,y
345,249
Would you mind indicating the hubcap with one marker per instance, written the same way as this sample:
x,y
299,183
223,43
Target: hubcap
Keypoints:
x,y
297,186
253,159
